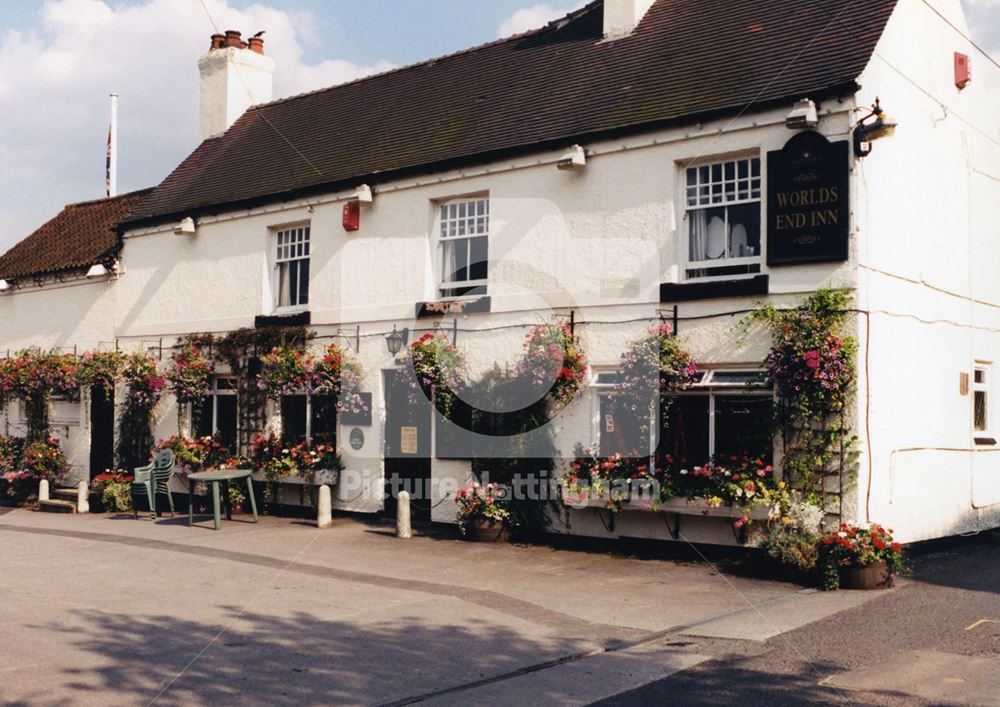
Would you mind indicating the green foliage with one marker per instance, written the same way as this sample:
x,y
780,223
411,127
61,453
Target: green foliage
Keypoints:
x,y
812,364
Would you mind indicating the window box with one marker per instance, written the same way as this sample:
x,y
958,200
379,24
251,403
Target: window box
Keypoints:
x,y
679,506
321,477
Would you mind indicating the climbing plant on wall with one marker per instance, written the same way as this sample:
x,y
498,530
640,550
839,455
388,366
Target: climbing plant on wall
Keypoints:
x,y
812,364
145,387
33,376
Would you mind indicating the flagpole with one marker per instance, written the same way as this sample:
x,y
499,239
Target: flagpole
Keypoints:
x,y
111,178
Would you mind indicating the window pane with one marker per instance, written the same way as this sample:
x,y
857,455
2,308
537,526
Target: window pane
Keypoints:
x,y
225,420
620,431
744,230
324,419
685,430
980,376
979,411
203,418
293,418
303,282
284,293
708,234
743,425
737,378
477,259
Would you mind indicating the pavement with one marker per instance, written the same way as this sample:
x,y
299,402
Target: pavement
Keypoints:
x,y
104,609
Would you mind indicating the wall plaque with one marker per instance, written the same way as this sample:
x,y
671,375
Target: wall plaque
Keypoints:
x,y
357,438
408,440
808,213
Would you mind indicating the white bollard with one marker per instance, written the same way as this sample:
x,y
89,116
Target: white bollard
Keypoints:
x,y
43,490
403,529
82,498
324,509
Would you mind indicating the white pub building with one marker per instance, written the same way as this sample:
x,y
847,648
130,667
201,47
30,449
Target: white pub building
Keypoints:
x,y
633,162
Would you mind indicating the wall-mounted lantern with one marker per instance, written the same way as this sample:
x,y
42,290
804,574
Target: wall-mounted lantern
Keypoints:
x,y
872,127
397,340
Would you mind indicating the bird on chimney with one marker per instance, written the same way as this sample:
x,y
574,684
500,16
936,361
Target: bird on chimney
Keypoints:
x,y
260,34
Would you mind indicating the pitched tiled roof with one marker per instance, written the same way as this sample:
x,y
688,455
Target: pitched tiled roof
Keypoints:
x,y
79,236
688,59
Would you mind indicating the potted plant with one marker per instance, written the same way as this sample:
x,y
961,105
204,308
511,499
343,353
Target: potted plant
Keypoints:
x,y
112,491
859,558
483,512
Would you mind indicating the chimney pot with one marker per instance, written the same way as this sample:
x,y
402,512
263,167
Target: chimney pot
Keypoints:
x,y
218,41
233,38
256,44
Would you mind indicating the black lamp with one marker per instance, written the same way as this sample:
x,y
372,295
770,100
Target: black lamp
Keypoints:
x,y
865,132
397,339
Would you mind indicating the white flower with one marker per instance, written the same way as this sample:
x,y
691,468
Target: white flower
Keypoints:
x,y
684,471
842,534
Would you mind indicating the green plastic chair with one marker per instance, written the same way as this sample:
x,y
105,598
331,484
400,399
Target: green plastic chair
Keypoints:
x,y
153,479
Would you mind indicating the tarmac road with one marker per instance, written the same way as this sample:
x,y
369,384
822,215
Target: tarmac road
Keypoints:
x,y
932,640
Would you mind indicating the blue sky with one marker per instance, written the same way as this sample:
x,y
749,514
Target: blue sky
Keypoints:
x,y
59,59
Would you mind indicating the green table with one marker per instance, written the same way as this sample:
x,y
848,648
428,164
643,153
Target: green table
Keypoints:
x,y
215,478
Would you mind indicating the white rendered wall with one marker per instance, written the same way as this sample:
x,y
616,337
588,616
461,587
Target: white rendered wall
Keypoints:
x,y
927,201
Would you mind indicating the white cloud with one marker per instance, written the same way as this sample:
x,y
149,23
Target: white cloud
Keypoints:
x,y
56,79
533,17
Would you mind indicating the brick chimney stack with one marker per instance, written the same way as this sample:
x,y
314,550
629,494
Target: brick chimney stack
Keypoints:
x,y
235,74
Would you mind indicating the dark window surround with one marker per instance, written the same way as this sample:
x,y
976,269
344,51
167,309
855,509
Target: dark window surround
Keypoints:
x,y
713,289
262,321
432,309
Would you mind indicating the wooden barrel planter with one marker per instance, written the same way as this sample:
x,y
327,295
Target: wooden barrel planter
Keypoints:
x,y
484,530
873,576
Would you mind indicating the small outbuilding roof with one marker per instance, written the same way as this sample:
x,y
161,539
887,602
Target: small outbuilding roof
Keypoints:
x,y
81,235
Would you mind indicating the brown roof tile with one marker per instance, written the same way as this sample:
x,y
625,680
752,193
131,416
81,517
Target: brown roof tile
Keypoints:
x,y
79,236
688,59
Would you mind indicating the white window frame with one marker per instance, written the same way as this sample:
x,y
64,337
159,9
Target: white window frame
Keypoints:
x,y
443,223
600,388
708,385
985,388
294,251
694,198
216,392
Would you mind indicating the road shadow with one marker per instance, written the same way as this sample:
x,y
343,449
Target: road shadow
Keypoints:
x,y
300,659
971,563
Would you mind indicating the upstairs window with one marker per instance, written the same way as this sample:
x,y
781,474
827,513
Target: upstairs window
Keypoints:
x,y
722,202
463,234
292,268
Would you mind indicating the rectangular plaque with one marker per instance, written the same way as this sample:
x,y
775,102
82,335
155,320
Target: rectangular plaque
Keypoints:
x,y
408,440
808,211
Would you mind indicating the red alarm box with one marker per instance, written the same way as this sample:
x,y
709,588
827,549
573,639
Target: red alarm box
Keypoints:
x,y
963,72
352,216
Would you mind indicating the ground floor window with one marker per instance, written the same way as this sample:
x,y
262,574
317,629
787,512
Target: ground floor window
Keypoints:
x,y
726,414
217,416
309,417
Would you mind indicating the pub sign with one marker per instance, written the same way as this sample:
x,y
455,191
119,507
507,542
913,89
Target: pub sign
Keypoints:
x,y
807,201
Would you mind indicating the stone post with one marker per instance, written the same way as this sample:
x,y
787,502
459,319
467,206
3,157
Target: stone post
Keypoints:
x,y
324,508
43,490
82,498
403,529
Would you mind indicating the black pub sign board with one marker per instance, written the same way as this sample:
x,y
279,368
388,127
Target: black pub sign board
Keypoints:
x,y
807,201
